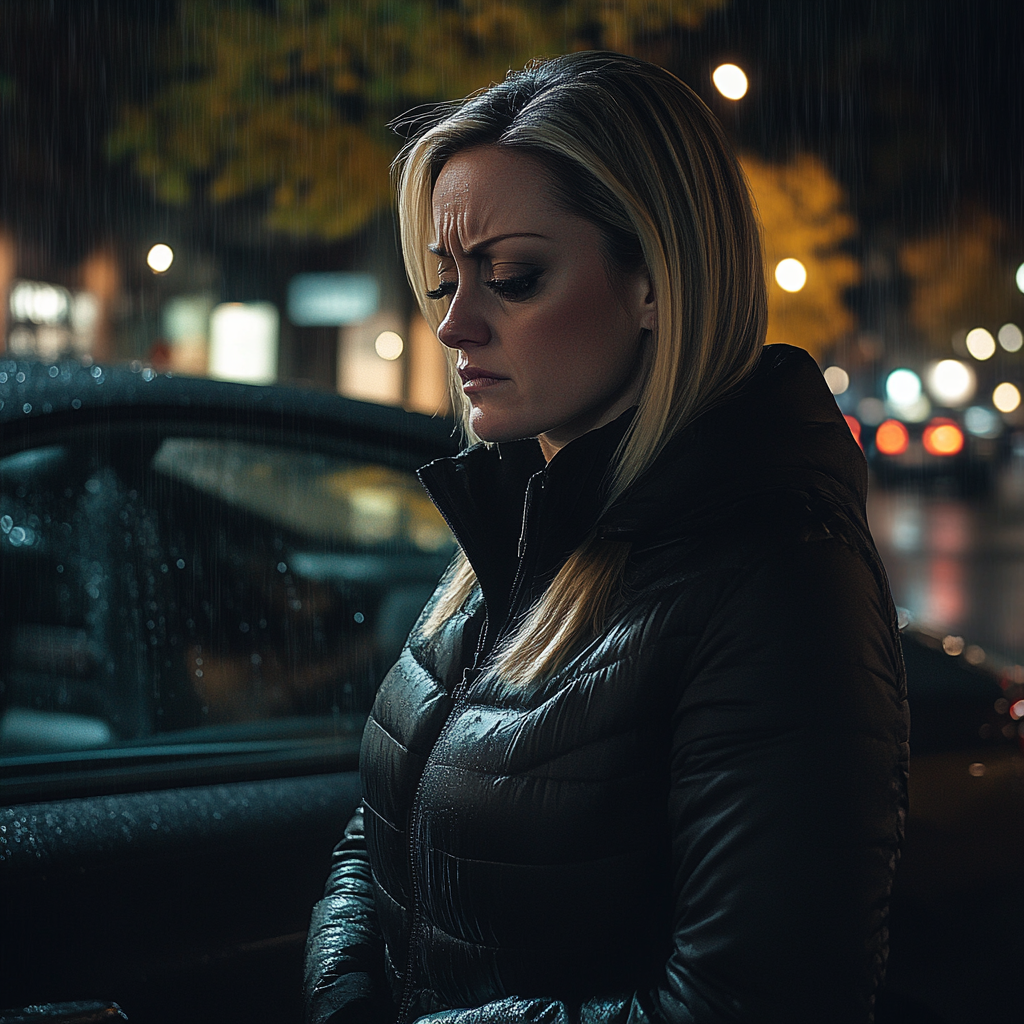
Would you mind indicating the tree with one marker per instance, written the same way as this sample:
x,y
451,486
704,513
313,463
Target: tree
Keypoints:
x,y
804,216
961,279
292,99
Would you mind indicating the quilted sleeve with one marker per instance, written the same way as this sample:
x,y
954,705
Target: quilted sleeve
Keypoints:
x,y
344,981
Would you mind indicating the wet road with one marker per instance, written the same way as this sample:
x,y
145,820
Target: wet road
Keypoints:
x,y
957,565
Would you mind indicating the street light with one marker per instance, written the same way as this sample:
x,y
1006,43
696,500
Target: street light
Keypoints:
x,y
388,345
1011,337
160,257
731,82
981,344
791,275
1006,397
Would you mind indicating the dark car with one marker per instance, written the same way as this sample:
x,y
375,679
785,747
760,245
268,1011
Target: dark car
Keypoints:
x,y
918,427
965,448
201,585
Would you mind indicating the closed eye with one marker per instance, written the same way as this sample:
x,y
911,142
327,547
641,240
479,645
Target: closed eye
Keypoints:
x,y
515,288
512,289
444,289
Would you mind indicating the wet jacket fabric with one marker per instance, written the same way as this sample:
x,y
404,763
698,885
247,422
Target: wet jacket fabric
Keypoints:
x,y
698,817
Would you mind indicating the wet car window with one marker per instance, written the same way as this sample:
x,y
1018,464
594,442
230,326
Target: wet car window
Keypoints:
x,y
199,590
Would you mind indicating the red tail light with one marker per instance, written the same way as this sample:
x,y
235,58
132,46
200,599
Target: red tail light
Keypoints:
x,y
943,437
854,424
892,438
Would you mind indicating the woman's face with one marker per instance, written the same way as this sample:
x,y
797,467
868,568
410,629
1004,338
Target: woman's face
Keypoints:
x,y
548,339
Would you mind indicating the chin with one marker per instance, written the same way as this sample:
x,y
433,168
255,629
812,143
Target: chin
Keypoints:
x,y
495,429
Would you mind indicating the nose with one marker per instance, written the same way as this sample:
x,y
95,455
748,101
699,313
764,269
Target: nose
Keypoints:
x,y
464,324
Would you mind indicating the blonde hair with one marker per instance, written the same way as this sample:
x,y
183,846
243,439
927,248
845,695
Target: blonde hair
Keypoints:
x,y
632,149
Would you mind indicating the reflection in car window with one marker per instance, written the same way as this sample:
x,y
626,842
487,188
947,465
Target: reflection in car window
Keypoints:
x,y
202,588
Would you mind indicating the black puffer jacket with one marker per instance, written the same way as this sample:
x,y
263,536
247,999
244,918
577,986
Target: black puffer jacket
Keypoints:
x,y
697,818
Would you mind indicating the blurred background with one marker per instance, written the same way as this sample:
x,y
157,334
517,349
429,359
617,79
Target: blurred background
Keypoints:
x,y
203,188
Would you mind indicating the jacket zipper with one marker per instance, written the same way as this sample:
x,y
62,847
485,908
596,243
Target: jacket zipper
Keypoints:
x,y
468,675
524,546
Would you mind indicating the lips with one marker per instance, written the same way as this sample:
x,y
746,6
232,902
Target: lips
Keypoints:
x,y
474,378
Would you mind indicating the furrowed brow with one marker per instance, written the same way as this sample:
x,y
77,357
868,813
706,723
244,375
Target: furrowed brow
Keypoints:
x,y
475,250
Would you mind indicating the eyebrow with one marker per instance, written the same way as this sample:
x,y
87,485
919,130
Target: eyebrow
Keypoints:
x,y
439,250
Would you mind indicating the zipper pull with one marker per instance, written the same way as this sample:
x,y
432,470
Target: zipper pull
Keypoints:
x,y
469,676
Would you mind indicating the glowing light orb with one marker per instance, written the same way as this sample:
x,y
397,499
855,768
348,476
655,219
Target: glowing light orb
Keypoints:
x,y
951,382
160,258
388,345
981,344
837,379
903,387
730,81
791,275
1011,337
1006,397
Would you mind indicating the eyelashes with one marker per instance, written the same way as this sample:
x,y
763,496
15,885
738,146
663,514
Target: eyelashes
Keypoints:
x,y
512,289
444,289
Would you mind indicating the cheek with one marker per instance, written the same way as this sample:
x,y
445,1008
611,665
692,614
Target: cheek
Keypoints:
x,y
588,332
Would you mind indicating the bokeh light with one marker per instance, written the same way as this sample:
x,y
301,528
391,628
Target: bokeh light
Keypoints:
x,y
388,345
903,387
1020,278
837,379
854,425
871,411
892,438
730,81
951,382
982,422
160,258
1011,337
981,344
943,437
791,275
1006,397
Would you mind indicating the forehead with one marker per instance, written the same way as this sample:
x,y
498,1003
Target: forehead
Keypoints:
x,y
488,191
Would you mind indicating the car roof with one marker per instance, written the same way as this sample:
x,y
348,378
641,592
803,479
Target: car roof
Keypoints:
x,y
41,400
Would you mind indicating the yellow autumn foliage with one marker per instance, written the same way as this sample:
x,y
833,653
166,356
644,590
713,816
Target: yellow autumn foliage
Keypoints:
x,y
292,100
804,216
961,279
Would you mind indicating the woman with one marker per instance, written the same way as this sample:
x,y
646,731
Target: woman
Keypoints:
x,y
643,757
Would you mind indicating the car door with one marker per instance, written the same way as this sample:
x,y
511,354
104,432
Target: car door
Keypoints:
x,y
201,585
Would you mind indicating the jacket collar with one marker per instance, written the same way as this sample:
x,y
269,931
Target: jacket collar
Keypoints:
x,y
780,432
501,499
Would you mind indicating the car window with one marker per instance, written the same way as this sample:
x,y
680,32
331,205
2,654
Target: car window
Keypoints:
x,y
201,591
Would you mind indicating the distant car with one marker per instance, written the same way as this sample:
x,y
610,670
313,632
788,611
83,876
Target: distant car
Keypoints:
x,y
919,427
941,447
